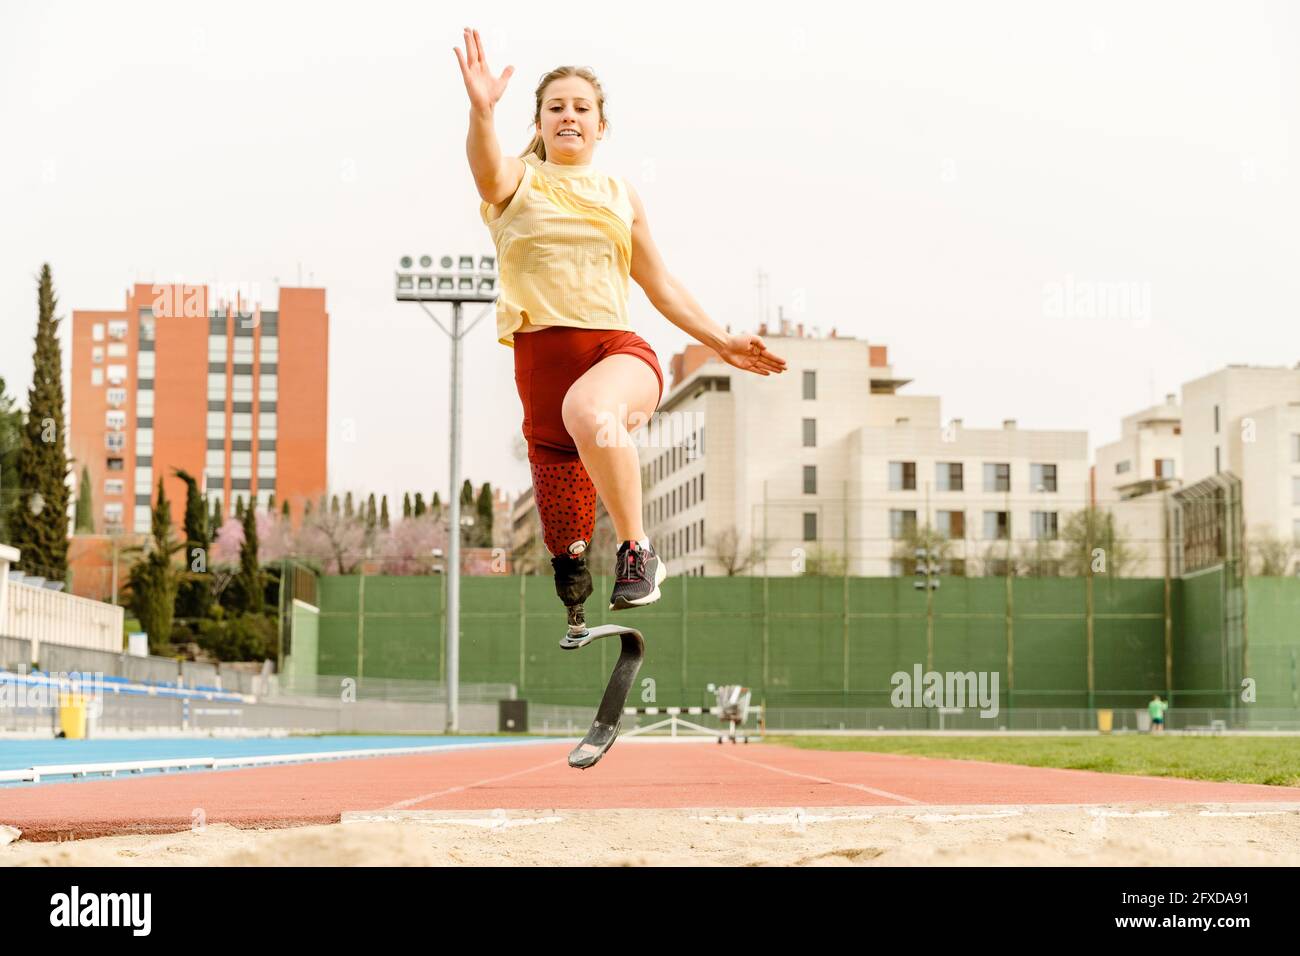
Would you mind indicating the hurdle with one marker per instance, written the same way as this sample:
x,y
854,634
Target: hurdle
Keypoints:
x,y
675,721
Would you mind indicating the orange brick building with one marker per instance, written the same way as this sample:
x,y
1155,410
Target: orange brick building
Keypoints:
x,y
230,392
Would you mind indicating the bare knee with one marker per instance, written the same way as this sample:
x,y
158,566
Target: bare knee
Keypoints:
x,y
585,419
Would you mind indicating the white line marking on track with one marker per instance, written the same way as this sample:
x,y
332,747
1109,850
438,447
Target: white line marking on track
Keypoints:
x,y
403,804
1245,813
1126,813
838,783
944,817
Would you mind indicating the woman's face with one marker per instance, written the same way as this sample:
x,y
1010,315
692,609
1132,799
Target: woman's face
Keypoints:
x,y
570,124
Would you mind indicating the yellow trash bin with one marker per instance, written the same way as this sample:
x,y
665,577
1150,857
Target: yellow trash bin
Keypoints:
x,y
1105,719
72,715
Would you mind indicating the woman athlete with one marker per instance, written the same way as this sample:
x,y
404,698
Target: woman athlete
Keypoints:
x,y
568,236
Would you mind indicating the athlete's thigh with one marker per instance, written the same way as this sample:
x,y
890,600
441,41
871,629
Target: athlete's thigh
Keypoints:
x,y
619,385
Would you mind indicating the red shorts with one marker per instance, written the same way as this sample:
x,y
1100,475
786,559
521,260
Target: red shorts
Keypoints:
x,y
550,360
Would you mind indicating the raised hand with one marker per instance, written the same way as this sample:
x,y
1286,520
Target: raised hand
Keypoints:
x,y
483,88
750,353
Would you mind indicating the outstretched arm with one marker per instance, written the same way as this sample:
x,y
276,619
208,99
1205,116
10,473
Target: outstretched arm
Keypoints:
x,y
679,307
496,177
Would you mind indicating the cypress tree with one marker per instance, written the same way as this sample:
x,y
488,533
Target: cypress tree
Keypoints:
x,y
284,509
406,505
484,508
239,507
372,516
38,519
250,574
85,523
11,426
419,504
466,495
154,580
334,505
383,513
437,503
270,504
193,594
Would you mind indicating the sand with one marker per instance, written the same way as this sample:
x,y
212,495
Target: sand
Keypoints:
x,y
1200,835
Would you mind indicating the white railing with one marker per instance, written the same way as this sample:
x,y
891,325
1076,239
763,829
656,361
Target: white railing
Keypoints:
x,y
52,617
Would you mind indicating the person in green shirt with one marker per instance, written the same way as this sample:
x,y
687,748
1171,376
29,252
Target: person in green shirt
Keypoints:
x,y
1157,709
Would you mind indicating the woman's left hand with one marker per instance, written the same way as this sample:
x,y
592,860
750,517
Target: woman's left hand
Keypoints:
x,y
750,353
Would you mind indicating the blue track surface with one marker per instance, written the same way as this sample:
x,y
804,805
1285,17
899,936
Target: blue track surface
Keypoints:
x,y
21,754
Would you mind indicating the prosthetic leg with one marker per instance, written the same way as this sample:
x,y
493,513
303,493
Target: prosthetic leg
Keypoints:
x,y
566,503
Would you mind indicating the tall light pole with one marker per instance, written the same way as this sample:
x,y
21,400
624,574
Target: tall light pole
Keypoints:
x,y
456,281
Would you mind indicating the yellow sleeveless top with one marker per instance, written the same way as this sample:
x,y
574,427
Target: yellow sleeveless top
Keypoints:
x,y
564,249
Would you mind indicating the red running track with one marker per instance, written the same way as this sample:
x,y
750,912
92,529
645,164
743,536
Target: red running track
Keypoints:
x,y
537,777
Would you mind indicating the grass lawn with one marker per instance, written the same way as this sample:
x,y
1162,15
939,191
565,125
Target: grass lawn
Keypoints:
x,y
1268,760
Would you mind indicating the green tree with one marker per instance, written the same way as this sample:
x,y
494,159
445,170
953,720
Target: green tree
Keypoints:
x,y
11,436
372,517
348,509
1091,540
383,513
419,505
154,580
284,509
239,507
406,505
250,595
270,503
437,504
334,505
194,596
925,538
85,520
38,517
484,507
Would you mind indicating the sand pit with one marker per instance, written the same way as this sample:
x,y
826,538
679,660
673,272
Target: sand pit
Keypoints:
x,y
1184,835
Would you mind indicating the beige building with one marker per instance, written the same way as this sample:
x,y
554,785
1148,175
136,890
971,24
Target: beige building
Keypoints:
x,y
1246,419
832,468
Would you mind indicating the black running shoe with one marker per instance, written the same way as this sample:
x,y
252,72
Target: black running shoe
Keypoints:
x,y
638,572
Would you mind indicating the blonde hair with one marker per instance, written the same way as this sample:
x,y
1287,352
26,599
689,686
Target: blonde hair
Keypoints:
x,y
537,146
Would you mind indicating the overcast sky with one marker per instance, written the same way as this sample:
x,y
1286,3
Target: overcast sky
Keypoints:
x,y
951,180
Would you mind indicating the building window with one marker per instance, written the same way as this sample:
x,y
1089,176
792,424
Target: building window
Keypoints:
x,y
810,526
1295,448
269,350
241,426
241,388
1122,466
96,376
97,332
266,426
117,330
116,374
810,433
901,523
951,524
1217,466
144,481
997,476
214,462
241,464
948,476
902,476
147,323
117,350
1042,524
1164,468
810,479
116,397
144,441
113,487
266,387
143,518
216,425
997,525
216,386
243,354
113,513
1042,477
1295,491
97,354
145,364
809,384
144,403
1216,419
217,350
115,441
115,464
116,420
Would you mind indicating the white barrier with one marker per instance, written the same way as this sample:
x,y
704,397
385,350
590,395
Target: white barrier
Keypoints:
x,y
44,616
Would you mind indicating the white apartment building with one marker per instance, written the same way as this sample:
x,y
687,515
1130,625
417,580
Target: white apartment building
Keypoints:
x,y
1246,419
828,462
1133,476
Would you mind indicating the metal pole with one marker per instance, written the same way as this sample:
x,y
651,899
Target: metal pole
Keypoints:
x,y
453,543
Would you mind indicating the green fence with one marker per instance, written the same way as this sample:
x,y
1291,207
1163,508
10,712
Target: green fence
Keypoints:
x,y
835,641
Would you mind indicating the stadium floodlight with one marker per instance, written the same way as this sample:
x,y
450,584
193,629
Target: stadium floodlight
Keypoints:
x,y
456,281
